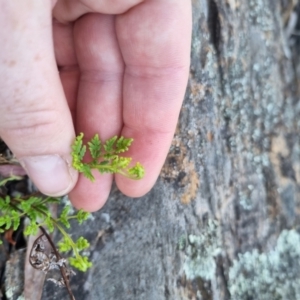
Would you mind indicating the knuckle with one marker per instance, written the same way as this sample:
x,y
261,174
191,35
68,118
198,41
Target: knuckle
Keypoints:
x,y
24,124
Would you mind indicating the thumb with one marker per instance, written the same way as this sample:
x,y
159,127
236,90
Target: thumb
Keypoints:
x,y
35,119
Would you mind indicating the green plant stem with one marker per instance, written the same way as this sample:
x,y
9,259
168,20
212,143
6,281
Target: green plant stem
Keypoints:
x,y
66,236
11,178
99,168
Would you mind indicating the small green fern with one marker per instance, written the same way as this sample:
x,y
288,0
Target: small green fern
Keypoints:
x,y
105,157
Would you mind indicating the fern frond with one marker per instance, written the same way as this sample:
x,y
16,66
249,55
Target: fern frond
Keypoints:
x,y
95,147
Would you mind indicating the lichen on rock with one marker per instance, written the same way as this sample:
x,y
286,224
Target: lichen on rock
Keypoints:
x,y
264,276
201,251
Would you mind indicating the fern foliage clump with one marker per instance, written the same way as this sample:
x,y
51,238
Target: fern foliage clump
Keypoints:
x,y
36,210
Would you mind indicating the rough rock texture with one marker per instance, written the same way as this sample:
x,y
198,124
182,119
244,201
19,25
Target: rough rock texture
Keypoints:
x,y
226,207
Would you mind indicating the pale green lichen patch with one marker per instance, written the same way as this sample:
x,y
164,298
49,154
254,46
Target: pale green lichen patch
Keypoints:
x,y
201,251
264,276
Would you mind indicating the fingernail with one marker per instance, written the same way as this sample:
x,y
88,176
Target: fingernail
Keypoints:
x,y
52,174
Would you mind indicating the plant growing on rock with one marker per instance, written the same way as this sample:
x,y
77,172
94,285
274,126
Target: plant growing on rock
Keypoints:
x,y
104,157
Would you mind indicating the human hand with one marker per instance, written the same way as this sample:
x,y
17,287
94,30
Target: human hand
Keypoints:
x,y
123,69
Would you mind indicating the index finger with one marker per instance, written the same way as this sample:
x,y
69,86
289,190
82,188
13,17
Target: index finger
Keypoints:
x,y
155,39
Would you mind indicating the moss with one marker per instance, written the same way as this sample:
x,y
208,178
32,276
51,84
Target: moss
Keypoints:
x,y
264,276
201,251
